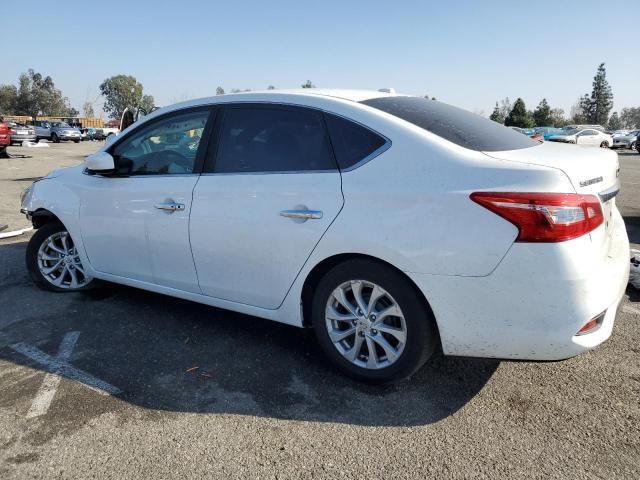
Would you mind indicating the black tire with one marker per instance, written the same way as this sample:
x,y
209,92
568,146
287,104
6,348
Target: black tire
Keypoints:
x,y
31,258
633,146
54,138
604,145
421,327
76,141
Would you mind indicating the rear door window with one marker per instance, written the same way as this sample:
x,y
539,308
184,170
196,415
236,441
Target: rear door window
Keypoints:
x,y
352,143
453,124
261,138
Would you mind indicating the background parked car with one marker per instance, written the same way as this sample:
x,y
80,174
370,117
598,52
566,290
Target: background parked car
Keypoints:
x,y
582,127
20,132
63,131
626,141
5,137
587,136
92,134
619,133
42,129
548,132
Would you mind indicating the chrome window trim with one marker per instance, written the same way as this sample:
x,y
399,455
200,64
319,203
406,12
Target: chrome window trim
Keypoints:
x,y
281,172
153,175
378,151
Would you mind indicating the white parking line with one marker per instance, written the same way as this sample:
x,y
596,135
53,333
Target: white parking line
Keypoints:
x,y
56,367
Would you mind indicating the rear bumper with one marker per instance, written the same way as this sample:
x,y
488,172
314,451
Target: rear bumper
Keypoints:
x,y
22,138
534,303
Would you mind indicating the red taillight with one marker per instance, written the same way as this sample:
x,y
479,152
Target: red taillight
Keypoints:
x,y
545,217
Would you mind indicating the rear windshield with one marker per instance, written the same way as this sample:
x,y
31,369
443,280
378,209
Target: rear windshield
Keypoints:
x,y
454,124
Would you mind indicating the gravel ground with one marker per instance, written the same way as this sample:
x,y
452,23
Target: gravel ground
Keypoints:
x,y
262,404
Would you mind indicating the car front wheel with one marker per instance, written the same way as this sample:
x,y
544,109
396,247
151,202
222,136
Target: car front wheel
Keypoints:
x,y
372,322
53,262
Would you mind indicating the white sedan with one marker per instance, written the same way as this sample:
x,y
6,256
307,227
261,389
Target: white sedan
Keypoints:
x,y
588,136
392,225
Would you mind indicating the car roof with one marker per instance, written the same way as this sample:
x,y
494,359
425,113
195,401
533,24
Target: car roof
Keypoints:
x,y
299,93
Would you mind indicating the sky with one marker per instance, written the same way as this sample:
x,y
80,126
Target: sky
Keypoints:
x,y
466,53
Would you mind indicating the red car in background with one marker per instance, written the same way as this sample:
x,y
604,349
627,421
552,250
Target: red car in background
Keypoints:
x,y
5,137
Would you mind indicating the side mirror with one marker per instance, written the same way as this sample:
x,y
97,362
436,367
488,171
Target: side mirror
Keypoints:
x,y
100,162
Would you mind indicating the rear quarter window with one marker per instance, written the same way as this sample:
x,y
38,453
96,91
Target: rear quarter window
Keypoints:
x,y
453,124
352,143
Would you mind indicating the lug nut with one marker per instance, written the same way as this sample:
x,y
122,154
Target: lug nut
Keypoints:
x,y
374,331
372,317
360,312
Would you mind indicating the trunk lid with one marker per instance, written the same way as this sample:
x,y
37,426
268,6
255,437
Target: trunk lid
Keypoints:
x,y
591,170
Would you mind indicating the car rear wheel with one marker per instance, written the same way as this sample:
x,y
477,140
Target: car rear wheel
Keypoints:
x,y
633,146
604,145
54,138
371,322
53,262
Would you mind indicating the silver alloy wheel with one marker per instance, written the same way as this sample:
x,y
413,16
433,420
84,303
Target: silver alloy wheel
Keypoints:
x,y
365,324
59,263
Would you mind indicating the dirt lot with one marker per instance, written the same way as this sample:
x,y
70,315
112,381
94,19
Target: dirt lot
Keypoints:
x,y
262,404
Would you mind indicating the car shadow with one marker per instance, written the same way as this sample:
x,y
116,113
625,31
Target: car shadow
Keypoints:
x,y
633,228
173,355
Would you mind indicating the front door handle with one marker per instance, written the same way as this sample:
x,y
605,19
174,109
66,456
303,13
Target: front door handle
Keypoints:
x,y
170,206
302,214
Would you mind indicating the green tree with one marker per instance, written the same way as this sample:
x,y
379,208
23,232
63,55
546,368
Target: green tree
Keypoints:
x,y
87,109
308,84
581,110
122,91
542,114
37,95
8,97
519,117
557,118
601,98
496,115
147,103
219,91
630,117
614,121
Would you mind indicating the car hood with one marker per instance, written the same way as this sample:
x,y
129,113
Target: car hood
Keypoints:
x,y
591,170
59,172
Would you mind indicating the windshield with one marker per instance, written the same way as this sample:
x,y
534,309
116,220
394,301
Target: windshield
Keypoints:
x,y
453,124
62,124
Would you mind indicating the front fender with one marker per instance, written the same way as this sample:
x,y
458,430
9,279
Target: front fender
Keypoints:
x,y
62,200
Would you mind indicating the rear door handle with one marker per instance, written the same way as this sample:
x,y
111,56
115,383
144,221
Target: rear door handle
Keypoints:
x,y
302,214
170,206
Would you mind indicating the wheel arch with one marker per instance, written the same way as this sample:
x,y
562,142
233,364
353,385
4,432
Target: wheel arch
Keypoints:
x,y
42,216
321,268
